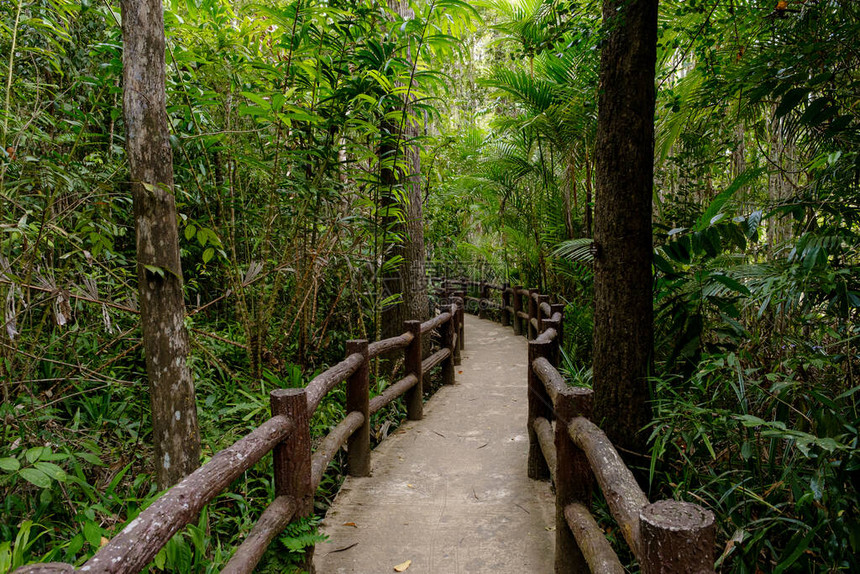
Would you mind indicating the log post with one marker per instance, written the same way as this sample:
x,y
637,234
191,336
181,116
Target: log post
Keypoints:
x,y
446,331
484,303
533,311
292,458
358,399
461,322
559,308
540,405
677,537
506,302
518,307
414,397
573,478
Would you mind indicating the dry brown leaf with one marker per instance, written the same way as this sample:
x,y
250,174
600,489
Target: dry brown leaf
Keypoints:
x,y
353,524
403,567
409,486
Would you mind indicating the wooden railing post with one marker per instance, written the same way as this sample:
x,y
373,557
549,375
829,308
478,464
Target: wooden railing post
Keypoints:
x,y
461,322
447,330
677,537
506,302
358,399
531,332
414,397
540,405
518,307
559,308
573,478
292,458
483,304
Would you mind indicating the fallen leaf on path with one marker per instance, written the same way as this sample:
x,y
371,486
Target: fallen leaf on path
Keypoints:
x,y
353,524
410,486
403,567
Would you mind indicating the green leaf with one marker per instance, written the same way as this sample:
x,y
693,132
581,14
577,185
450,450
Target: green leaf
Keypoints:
x,y
93,533
155,270
796,552
35,477
36,453
732,284
90,458
790,100
9,464
190,231
52,470
208,254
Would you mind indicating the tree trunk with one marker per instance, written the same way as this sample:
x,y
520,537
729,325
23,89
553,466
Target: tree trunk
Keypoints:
x,y
409,279
624,168
162,305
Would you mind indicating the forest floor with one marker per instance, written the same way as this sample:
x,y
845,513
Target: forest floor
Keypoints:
x,y
450,492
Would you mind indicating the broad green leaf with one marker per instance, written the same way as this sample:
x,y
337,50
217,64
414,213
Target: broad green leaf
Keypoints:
x,y
51,470
36,453
9,464
93,533
35,477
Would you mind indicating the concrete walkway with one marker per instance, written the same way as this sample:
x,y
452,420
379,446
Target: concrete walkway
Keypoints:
x,y
450,492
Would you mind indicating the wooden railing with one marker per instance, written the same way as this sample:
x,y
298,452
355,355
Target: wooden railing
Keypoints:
x,y
667,537
297,470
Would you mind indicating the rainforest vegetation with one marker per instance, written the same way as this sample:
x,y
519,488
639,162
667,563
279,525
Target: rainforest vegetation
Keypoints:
x,y
327,155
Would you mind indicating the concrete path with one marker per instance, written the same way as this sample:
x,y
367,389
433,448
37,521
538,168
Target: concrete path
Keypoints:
x,y
450,492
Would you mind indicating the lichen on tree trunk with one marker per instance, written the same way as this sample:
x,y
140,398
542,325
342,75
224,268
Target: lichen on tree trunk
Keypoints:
x,y
174,413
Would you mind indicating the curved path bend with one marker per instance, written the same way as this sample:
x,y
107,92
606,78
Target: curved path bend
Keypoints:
x,y
450,492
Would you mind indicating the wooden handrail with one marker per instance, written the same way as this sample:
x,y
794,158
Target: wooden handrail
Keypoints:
x,y
390,344
270,524
619,488
138,543
551,378
547,336
333,442
546,439
546,309
434,359
392,392
327,380
435,322
596,550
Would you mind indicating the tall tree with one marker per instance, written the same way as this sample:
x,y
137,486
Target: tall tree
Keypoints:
x,y
401,169
624,169
162,306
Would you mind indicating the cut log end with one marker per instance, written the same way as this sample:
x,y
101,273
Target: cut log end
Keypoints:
x,y
677,537
675,515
